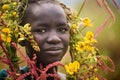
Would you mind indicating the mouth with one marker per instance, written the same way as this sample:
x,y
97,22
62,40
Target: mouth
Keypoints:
x,y
53,51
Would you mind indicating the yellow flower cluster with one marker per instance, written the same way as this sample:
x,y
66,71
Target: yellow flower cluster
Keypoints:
x,y
25,34
5,6
89,38
74,26
86,45
72,67
80,46
6,35
9,16
82,49
87,22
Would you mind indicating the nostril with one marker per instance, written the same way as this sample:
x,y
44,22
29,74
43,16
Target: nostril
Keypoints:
x,y
54,39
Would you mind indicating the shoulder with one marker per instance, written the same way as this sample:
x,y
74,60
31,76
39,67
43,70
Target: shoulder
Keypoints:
x,y
62,76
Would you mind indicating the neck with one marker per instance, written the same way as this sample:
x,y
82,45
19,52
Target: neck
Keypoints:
x,y
51,70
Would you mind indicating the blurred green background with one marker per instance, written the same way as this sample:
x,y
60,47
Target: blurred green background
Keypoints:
x,y
108,39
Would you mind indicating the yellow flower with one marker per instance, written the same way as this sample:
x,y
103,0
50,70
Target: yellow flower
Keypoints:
x,y
14,3
70,16
5,6
6,38
95,69
72,67
89,57
95,78
74,26
89,34
14,13
89,38
91,67
6,30
87,22
89,48
80,46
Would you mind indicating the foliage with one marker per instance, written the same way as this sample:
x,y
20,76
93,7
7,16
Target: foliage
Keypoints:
x,y
83,50
86,58
9,18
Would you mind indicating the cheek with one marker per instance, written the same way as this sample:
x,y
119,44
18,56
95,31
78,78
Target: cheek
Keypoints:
x,y
39,39
66,40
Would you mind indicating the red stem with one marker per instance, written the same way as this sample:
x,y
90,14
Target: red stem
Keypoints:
x,y
105,66
21,77
108,9
32,63
115,3
99,3
21,53
4,60
52,65
8,59
101,26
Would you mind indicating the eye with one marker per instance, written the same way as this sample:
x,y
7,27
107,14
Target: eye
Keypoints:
x,y
42,30
63,29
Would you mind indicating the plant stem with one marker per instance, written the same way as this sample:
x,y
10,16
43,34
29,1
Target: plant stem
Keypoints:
x,y
81,8
9,61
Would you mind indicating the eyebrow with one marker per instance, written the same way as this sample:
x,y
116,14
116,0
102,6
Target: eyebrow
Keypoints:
x,y
42,24
61,24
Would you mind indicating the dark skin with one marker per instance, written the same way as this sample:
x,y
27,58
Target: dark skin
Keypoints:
x,y
50,31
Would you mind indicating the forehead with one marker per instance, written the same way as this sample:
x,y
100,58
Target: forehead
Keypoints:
x,y
46,10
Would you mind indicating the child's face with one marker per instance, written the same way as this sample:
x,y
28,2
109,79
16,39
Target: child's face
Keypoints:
x,y
50,30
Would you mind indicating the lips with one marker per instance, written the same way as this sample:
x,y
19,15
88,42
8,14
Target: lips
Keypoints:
x,y
53,50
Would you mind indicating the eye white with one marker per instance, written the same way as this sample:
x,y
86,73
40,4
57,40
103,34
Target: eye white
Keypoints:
x,y
42,30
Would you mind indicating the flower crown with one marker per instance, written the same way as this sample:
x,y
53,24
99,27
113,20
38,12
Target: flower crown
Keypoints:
x,y
85,57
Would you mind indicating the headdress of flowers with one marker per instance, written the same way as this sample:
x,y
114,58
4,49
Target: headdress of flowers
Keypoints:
x,y
85,57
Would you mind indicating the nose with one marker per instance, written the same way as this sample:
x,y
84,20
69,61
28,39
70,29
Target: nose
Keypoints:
x,y
53,39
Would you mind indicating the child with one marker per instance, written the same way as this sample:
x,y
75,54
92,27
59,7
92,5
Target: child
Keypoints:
x,y
50,30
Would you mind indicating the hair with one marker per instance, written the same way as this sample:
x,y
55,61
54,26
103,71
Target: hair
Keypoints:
x,y
44,1
26,3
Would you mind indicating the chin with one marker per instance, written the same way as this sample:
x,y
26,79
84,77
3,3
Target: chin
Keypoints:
x,y
50,60
47,58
